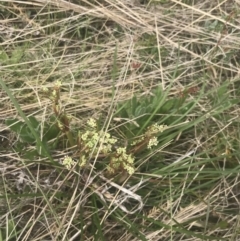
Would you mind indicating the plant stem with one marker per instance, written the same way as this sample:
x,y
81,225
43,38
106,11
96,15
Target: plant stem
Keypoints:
x,y
70,138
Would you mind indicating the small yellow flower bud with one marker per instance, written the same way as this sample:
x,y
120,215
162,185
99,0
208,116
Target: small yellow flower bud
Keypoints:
x,y
58,83
45,89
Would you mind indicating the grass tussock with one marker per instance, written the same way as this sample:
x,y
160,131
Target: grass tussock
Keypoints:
x,y
119,120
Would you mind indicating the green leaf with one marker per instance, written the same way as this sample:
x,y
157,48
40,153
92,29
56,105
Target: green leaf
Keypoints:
x,y
14,124
158,92
30,154
138,111
34,122
222,94
23,129
3,56
134,103
168,106
42,149
10,230
17,106
222,224
26,134
19,146
17,54
51,132
1,236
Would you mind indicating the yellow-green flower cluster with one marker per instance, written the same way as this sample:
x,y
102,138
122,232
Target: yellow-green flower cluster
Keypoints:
x,y
155,128
121,160
97,139
140,139
68,162
82,161
93,141
58,84
152,142
149,136
45,89
92,123
60,125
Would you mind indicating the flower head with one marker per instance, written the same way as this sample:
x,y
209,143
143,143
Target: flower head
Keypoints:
x,y
121,160
58,83
155,128
152,142
68,162
92,123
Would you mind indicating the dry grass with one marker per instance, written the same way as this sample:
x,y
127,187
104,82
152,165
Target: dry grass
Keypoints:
x,y
176,44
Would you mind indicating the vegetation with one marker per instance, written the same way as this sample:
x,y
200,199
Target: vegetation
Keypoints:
x,y
119,120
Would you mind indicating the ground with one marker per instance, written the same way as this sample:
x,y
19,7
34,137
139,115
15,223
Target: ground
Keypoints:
x,y
119,120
